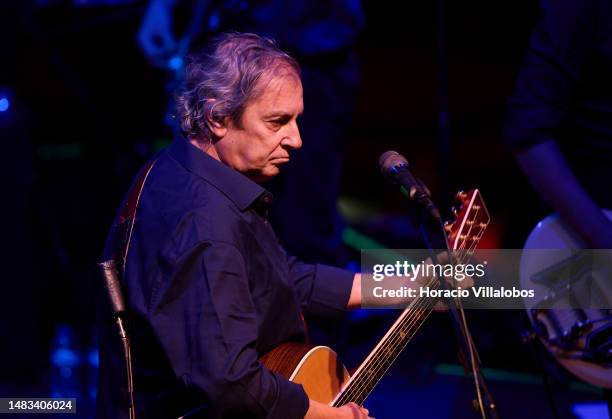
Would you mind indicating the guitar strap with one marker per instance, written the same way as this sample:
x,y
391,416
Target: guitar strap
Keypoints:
x,y
118,242
112,269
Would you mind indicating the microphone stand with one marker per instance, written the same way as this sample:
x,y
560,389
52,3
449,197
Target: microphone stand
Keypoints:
x,y
485,401
110,275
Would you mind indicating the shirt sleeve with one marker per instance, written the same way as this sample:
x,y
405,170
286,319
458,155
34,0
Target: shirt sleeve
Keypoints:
x,y
207,322
322,290
546,84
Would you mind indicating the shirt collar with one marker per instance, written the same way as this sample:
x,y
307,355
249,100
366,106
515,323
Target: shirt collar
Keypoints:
x,y
237,187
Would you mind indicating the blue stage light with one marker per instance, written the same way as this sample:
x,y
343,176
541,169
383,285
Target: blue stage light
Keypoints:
x,y
175,63
214,21
5,104
592,410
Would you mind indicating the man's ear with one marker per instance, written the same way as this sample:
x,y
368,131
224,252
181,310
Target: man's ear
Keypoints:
x,y
218,129
216,126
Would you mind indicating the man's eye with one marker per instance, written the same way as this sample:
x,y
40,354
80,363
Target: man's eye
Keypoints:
x,y
277,122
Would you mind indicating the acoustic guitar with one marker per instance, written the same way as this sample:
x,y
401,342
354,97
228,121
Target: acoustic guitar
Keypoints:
x,y
318,368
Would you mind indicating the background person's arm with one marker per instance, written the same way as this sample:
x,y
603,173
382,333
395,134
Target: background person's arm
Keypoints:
x,y
550,175
544,100
155,35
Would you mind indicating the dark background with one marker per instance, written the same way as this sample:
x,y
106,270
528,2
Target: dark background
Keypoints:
x,y
86,112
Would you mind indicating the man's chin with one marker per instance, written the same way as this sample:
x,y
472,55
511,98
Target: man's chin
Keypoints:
x,y
267,174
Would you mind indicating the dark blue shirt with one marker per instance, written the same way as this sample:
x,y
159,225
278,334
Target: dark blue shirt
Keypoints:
x,y
564,90
210,290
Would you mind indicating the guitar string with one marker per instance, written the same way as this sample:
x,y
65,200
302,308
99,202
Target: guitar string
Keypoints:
x,y
379,367
466,333
397,342
357,388
470,230
458,301
409,321
465,330
471,226
482,229
376,364
360,390
357,385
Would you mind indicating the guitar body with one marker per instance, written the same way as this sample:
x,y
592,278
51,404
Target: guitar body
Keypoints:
x,y
552,233
317,368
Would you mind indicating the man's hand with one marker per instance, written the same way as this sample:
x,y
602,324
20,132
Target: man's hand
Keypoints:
x,y
465,283
318,410
353,411
403,282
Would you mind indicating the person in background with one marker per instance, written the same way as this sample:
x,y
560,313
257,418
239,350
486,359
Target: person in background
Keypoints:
x,y
559,118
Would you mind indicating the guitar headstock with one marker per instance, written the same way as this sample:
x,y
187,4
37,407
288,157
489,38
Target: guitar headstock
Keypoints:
x,y
471,219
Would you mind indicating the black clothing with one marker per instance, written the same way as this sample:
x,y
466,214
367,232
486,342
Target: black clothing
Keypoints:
x,y
211,290
564,91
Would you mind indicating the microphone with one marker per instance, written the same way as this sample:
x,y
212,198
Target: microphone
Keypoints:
x,y
394,167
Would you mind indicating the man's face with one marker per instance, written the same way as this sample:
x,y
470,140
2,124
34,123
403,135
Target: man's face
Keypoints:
x,y
268,132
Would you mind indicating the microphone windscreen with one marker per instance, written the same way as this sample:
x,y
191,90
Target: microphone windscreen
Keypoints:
x,y
389,160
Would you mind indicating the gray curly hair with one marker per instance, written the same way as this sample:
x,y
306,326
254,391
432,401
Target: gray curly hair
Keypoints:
x,y
221,83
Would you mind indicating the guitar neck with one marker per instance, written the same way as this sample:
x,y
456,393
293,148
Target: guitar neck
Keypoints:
x,y
384,355
463,236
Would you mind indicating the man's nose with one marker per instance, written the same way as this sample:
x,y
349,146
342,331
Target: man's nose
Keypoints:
x,y
293,138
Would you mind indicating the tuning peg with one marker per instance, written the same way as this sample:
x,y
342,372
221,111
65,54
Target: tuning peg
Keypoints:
x,y
454,211
461,196
448,226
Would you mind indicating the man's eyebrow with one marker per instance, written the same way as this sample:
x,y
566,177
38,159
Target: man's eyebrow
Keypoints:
x,y
280,114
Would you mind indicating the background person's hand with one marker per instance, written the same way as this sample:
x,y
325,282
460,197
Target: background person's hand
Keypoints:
x,y
155,36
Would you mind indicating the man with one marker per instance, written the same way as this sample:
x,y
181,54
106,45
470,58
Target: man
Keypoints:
x,y
208,287
559,120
